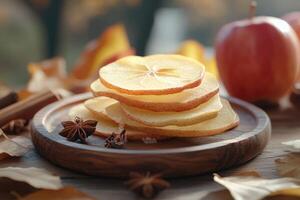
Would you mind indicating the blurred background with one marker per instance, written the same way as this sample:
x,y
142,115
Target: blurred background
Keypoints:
x,y
32,30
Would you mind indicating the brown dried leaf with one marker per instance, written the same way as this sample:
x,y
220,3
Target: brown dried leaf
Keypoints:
x,y
54,67
66,193
47,74
255,188
289,166
16,126
38,178
13,147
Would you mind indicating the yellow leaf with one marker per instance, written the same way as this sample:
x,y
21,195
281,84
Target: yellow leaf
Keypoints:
x,y
38,178
289,165
66,193
111,45
211,66
195,50
192,49
255,188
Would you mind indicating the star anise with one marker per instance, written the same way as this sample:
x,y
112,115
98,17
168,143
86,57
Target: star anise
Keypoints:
x,y
116,141
147,185
16,126
78,129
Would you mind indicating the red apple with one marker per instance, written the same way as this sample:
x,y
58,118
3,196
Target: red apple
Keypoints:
x,y
258,58
293,19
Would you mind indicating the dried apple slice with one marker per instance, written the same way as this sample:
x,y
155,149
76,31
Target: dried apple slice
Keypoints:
x,y
185,100
106,127
97,106
201,113
152,75
226,119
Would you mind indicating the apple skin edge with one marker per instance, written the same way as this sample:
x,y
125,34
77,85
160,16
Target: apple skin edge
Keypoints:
x,y
258,58
293,19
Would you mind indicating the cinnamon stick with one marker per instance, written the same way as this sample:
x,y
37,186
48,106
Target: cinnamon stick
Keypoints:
x,y
7,96
26,108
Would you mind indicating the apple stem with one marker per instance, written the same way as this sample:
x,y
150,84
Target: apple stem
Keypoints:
x,y
252,9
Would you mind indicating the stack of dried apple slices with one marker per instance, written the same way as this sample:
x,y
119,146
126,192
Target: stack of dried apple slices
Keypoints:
x,y
158,96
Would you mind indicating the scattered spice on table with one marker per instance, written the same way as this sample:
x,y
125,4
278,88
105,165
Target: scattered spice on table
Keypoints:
x,y
78,129
147,185
149,140
116,141
16,126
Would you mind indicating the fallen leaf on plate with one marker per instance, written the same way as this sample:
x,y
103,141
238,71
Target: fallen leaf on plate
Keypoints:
x,y
289,165
66,193
14,146
255,188
293,145
37,178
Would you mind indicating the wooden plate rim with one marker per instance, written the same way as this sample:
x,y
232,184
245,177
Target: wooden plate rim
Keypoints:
x,y
262,123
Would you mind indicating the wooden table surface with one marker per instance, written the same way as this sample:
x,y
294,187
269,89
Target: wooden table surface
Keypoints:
x,y
285,126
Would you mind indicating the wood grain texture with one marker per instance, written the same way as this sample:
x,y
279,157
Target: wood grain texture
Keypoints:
x,y
176,157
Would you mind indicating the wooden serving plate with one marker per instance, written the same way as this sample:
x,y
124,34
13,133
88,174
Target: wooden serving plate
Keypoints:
x,y
174,157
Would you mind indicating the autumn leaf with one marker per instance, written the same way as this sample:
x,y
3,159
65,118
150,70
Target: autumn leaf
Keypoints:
x,y
36,184
14,146
194,49
51,75
293,145
66,193
256,188
45,75
289,166
111,45
211,66
54,67
39,82
37,178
